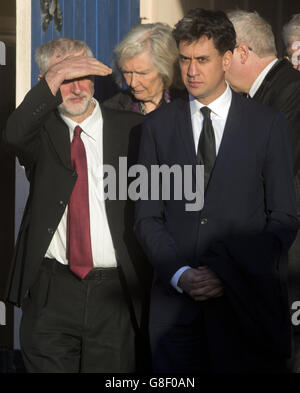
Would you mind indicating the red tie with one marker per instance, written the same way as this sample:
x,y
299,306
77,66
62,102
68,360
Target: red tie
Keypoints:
x,y
79,250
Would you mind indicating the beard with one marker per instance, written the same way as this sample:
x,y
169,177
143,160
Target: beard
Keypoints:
x,y
70,109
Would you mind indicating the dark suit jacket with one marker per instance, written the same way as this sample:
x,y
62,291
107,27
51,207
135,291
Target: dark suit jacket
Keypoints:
x,y
281,90
250,192
40,138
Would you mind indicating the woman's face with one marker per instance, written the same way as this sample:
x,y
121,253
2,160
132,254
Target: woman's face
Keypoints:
x,y
144,81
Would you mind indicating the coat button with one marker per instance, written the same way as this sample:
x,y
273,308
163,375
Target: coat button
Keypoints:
x,y
62,203
51,231
204,221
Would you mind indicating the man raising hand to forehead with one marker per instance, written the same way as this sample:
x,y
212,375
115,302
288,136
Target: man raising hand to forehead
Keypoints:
x,y
71,272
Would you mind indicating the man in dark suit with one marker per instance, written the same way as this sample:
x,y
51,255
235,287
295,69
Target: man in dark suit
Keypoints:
x,y
73,270
218,300
257,71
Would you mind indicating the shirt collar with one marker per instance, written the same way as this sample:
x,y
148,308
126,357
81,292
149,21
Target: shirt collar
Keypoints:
x,y
259,80
90,125
220,106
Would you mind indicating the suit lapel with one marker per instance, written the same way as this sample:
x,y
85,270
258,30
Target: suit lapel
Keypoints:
x,y
110,141
228,145
185,129
107,143
232,127
58,133
113,145
268,79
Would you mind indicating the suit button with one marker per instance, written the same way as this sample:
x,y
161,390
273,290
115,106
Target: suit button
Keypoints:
x,y
204,221
51,231
62,203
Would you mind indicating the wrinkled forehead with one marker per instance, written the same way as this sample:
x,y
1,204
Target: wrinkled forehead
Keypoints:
x,y
199,47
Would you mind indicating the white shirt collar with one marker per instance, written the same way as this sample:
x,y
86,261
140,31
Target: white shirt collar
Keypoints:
x,y
259,80
90,125
219,107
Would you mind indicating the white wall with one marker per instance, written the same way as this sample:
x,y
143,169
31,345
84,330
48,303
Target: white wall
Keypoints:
x,y
167,11
23,49
23,84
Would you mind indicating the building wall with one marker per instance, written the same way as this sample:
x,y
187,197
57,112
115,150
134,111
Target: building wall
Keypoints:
x,y
167,11
276,12
100,23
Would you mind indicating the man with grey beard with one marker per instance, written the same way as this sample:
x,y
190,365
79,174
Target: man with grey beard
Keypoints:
x,y
73,268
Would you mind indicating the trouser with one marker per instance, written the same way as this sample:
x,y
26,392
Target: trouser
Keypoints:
x,y
212,343
296,353
294,295
73,325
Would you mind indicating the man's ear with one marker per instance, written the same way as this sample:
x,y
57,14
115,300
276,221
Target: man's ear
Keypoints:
x,y
243,53
40,77
227,59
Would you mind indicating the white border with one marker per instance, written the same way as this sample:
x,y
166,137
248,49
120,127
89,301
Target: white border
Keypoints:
x,y
23,49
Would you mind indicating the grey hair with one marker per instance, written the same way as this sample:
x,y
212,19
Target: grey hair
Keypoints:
x,y
59,48
291,30
254,31
157,38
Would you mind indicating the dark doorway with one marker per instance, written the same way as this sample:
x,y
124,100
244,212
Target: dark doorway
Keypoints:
x,y
7,161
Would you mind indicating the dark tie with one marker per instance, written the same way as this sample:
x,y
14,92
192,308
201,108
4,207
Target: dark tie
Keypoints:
x,y
79,250
207,146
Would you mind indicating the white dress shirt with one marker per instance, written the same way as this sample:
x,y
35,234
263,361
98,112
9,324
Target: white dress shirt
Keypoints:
x,y
102,247
259,80
219,112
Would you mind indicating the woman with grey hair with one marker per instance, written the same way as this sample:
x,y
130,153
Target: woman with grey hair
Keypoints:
x,y
291,38
146,59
